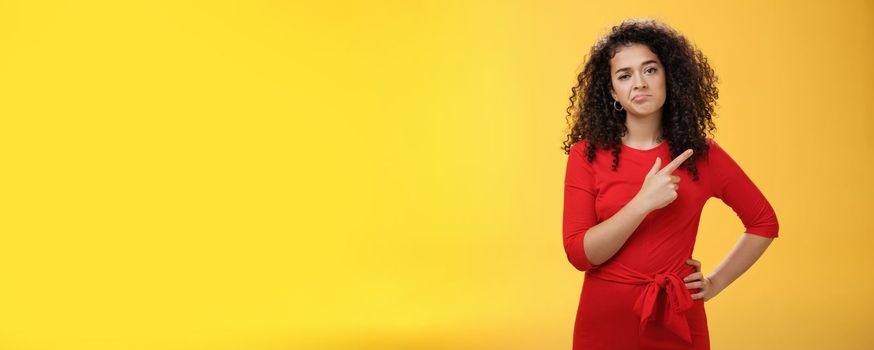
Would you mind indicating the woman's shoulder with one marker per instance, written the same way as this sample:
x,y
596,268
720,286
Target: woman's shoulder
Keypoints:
x,y
580,146
713,146
717,157
710,141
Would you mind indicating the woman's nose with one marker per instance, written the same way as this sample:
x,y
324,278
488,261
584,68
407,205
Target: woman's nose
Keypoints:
x,y
640,83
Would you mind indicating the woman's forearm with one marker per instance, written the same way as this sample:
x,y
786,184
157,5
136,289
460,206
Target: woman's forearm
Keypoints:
x,y
746,251
603,240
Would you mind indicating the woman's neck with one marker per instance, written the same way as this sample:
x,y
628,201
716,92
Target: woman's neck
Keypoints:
x,y
643,132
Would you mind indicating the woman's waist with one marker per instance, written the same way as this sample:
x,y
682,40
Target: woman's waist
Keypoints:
x,y
620,272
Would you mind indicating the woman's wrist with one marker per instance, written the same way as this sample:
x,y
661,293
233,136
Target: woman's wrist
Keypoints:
x,y
638,206
716,282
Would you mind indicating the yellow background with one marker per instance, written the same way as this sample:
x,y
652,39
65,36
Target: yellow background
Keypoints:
x,y
388,174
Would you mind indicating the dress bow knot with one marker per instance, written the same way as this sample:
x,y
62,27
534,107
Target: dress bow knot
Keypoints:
x,y
678,302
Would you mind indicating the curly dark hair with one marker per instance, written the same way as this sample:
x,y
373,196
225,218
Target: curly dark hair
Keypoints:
x,y
691,93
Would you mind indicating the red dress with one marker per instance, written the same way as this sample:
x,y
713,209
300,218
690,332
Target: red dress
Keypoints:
x,y
637,299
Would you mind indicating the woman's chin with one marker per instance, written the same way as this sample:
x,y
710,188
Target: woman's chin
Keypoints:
x,y
643,112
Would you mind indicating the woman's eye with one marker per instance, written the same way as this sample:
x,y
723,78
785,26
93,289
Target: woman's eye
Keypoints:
x,y
623,77
653,69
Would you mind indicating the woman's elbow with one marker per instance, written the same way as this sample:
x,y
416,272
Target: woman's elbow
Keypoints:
x,y
577,257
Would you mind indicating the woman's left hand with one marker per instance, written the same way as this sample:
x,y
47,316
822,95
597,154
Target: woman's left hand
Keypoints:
x,y
697,280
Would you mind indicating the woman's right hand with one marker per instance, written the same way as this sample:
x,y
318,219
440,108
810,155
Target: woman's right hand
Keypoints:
x,y
660,187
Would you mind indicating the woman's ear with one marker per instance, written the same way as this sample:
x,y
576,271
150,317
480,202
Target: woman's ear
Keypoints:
x,y
613,93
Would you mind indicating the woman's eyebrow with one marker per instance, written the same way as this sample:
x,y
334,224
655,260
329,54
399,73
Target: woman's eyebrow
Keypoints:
x,y
629,68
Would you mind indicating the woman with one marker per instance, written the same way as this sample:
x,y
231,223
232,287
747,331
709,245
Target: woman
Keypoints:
x,y
645,98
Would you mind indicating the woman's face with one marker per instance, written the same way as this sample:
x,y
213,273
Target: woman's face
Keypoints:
x,y
638,80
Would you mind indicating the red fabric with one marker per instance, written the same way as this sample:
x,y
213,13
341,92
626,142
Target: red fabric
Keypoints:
x,y
638,295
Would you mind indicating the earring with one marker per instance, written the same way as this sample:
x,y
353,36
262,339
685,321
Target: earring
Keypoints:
x,y
614,105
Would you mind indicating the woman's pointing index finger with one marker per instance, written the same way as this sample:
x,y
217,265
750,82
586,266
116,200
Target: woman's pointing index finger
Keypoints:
x,y
674,164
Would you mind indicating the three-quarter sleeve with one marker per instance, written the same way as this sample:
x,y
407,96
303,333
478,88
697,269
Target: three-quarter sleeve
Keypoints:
x,y
579,206
735,189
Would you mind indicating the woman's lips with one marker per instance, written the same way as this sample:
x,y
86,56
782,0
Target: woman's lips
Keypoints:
x,y
640,98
